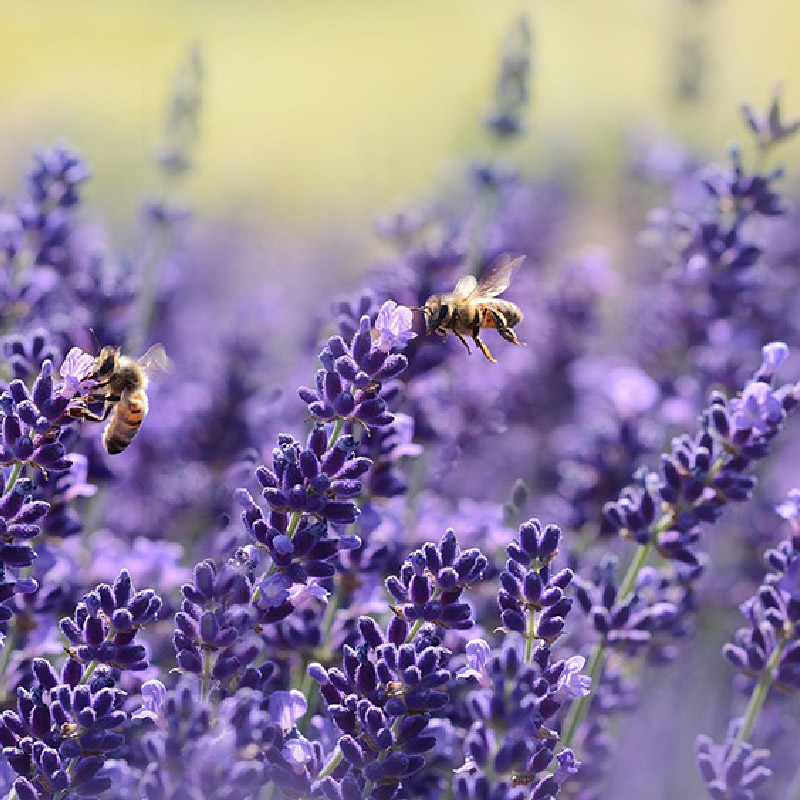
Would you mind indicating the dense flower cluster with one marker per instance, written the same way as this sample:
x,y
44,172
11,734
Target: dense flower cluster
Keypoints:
x,y
349,385
106,622
211,627
390,686
522,686
703,474
60,734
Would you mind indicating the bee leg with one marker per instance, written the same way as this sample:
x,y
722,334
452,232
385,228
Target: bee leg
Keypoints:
x,y
82,412
91,399
84,415
464,342
504,330
484,349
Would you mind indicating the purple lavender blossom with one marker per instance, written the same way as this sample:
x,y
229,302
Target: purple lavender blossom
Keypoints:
x,y
153,695
60,733
75,372
572,683
350,387
104,626
393,325
32,422
477,652
286,708
769,128
214,629
732,770
387,691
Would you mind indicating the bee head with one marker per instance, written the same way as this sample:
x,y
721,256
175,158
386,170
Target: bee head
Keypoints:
x,y
436,313
105,363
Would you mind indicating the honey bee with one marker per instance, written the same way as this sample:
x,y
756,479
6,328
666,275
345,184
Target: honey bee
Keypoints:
x,y
472,306
121,384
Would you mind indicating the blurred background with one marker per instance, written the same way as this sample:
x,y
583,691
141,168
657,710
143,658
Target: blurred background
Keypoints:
x,y
316,117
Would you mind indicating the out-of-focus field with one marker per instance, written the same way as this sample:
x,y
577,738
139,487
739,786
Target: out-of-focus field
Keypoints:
x,y
319,112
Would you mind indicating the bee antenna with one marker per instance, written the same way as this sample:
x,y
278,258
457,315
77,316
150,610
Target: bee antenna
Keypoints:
x,y
94,337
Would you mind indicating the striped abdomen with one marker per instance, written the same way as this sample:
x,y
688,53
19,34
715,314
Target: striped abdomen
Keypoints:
x,y
125,421
510,312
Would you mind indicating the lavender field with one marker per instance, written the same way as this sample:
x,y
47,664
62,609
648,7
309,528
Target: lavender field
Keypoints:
x,y
269,530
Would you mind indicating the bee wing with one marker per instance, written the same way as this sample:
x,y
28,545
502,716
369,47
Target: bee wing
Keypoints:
x,y
155,362
496,281
466,286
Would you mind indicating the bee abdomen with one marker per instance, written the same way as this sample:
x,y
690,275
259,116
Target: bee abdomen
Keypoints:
x,y
511,313
113,442
125,422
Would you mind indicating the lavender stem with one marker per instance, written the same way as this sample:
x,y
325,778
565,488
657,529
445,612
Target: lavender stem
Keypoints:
x,y
579,710
757,698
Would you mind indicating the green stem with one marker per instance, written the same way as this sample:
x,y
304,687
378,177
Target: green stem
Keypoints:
x,y
5,656
294,521
531,635
89,672
333,762
12,478
579,710
760,691
629,581
335,433
415,628
206,676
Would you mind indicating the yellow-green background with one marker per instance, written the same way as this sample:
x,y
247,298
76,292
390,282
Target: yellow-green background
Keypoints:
x,y
330,111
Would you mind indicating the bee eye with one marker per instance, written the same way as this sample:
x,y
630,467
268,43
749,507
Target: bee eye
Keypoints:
x,y
105,367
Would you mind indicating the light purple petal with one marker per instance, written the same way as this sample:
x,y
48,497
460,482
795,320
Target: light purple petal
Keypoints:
x,y
774,354
287,707
75,372
393,325
790,507
572,683
302,595
297,752
273,591
153,695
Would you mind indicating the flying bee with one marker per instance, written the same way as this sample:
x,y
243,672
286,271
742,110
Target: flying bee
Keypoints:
x,y
472,306
121,384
